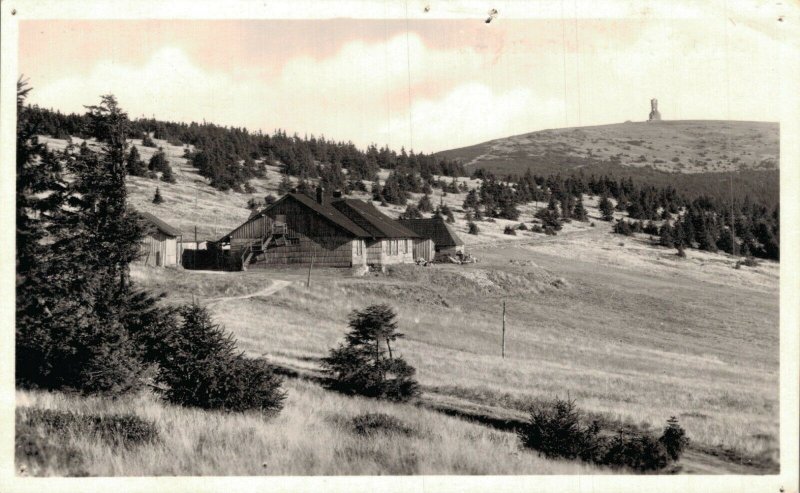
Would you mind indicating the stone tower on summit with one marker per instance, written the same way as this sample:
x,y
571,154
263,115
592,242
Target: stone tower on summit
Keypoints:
x,y
654,114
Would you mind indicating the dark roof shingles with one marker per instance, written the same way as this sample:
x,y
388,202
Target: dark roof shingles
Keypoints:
x,y
434,228
378,224
160,225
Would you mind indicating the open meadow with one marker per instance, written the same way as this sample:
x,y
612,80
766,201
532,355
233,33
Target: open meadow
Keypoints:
x,y
632,332
629,330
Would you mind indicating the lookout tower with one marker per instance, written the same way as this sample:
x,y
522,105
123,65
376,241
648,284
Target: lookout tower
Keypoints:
x,y
654,114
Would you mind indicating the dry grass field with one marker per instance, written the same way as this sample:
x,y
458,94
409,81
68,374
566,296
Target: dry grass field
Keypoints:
x,y
313,435
632,332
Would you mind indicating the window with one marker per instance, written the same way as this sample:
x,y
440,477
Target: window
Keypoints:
x,y
405,246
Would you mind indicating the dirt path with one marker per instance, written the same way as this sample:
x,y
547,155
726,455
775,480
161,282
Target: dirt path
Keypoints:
x,y
277,285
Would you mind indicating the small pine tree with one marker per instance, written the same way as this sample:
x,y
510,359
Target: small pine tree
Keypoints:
x,y
361,365
147,141
201,367
606,208
473,228
412,212
167,176
665,238
425,204
285,185
134,163
580,211
157,198
674,438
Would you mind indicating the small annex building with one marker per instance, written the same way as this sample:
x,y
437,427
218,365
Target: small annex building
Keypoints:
x,y
337,232
160,243
445,240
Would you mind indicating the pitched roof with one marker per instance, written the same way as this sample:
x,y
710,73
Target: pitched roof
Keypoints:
x,y
367,216
160,225
434,228
331,213
325,210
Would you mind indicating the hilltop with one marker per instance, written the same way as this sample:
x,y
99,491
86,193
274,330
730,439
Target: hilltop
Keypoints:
x,y
681,146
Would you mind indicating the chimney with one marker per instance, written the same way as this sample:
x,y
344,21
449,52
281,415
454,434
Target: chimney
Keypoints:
x,y
337,194
320,196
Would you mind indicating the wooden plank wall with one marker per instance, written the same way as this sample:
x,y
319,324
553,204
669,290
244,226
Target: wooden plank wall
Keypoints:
x,y
397,251
158,248
423,248
311,237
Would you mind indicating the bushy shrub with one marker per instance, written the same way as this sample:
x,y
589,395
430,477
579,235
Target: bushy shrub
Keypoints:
x,y
537,229
623,227
556,430
550,218
636,451
522,227
412,212
371,423
747,262
200,366
510,230
362,366
473,228
674,438
120,430
35,451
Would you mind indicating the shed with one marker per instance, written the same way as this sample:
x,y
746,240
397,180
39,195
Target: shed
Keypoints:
x,y
445,240
160,243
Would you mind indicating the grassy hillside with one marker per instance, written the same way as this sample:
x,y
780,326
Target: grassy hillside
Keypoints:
x,y
687,146
631,331
315,434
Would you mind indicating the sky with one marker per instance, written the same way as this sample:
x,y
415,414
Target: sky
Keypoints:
x,y
427,85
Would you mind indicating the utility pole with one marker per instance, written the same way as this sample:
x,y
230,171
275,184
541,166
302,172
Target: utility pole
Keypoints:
x,y
308,281
503,353
196,248
733,222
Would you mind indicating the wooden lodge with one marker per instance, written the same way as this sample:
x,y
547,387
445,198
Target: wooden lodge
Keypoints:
x,y
446,242
298,229
160,244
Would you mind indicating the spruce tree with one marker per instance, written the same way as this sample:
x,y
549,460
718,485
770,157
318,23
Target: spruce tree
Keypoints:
x,y
71,334
580,211
366,363
134,163
606,208
157,199
665,238
425,204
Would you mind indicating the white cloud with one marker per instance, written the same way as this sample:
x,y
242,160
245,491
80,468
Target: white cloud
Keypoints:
x,y
473,113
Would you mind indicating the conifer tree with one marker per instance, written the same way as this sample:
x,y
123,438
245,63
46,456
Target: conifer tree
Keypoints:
x,y
157,198
425,204
366,363
580,211
134,163
606,209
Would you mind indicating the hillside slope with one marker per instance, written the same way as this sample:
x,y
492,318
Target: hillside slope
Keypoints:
x,y
681,146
